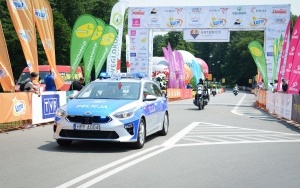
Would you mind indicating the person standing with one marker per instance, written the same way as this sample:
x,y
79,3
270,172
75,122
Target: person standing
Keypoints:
x,y
284,86
49,82
29,86
77,84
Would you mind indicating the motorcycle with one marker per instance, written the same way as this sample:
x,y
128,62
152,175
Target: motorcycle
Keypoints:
x,y
213,91
201,97
235,92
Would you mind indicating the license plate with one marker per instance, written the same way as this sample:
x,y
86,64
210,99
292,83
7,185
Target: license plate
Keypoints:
x,y
90,127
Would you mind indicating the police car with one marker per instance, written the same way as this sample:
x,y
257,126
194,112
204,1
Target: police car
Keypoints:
x,y
115,109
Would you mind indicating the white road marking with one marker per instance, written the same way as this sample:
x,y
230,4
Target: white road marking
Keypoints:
x,y
190,133
234,110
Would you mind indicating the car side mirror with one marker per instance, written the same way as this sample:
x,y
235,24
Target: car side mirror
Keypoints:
x,y
150,98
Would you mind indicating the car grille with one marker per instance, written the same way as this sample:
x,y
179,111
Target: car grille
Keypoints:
x,y
89,134
88,120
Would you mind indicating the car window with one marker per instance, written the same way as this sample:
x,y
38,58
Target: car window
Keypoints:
x,y
151,89
111,90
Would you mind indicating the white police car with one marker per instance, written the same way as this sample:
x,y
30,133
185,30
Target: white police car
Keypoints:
x,y
115,109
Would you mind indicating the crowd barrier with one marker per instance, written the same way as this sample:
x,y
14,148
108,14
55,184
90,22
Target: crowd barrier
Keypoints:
x,y
282,105
38,109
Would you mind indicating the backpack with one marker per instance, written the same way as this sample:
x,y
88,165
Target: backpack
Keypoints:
x,y
22,85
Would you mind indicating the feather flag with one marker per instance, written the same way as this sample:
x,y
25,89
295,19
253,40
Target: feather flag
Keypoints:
x,y
6,75
21,13
82,34
91,51
44,23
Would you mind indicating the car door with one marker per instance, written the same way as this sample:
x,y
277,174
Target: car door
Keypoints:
x,y
153,108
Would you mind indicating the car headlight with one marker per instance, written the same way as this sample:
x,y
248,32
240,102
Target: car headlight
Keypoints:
x,y
124,114
60,112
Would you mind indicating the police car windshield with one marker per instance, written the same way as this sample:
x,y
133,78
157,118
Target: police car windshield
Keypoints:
x,y
111,90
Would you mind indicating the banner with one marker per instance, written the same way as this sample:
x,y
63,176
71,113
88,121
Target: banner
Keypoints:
x,y
44,22
180,65
82,34
206,35
91,51
117,21
283,56
21,13
294,79
291,53
15,106
275,61
6,75
258,55
108,38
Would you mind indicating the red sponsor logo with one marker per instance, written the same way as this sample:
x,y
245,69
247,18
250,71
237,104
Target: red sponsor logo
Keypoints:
x,y
279,11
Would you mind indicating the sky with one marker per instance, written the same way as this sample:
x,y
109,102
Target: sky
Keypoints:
x,y
295,4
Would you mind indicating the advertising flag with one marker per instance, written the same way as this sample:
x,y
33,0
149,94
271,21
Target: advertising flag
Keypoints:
x,y
44,24
117,21
275,61
91,51
108,39
82,34
6,75
258,55
283,56
21,13
292,50
294,79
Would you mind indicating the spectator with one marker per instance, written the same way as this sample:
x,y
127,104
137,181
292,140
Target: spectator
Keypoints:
x,y
284,86
77,84
49,82
30,86
275,86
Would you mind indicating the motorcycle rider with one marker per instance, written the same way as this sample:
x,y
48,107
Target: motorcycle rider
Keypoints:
x,y
235,89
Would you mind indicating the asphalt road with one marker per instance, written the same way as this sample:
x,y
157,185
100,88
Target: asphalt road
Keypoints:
x,y
228,144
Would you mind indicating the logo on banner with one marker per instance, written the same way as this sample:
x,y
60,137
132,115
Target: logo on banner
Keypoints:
x,y
19,4
50,104
19,107
153,11
117,19
41,13
294,86
25,35
2,72
174,22
216,22
133,33
258,21
279,11
237,22
136,22
194,33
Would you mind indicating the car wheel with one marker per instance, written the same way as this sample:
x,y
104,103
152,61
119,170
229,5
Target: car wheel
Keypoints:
x,y
141,135
64,142
165,127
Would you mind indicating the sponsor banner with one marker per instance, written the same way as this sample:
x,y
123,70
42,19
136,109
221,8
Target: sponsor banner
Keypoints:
x,y
206,35
294,79
116,20
15,106
91,51
108,39
82,33
44,23
44,107
258,55
236,17
21,13
283,55
139,53
6,75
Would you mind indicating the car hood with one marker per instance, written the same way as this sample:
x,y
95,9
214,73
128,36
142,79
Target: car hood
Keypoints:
x,y
98,107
